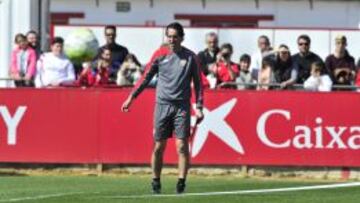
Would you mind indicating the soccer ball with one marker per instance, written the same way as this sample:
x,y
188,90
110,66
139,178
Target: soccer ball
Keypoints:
x,y
81,45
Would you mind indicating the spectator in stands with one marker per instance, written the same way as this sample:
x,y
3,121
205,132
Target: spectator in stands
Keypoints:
x,y
304,58
265,50
285,71
244,80
319,80
23,63
341,65
118,52
357,81
224,70
33,39
97,73
130,71
207,57
266,75
54,68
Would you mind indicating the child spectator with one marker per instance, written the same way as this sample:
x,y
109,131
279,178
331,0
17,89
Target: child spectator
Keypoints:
x,y
244,80
97,74
23,63
129,72
318,80
266,76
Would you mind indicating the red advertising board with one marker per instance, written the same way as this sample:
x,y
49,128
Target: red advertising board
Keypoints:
x,y
240,127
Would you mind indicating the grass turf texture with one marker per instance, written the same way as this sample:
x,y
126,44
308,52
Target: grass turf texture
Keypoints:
x,y
109,189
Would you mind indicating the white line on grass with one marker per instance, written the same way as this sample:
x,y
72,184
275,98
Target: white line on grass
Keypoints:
x,y
315,187
42,197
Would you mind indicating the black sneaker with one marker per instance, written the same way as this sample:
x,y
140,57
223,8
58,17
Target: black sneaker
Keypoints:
x,y
156,187
180,187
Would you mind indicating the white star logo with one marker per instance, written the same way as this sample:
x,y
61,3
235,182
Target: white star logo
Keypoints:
x,y
214,121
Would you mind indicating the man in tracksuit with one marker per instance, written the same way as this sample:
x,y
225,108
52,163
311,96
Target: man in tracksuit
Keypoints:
x,y
176,67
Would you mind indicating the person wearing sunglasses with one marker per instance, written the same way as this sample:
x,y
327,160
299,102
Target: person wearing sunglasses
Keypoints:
x,y
304,58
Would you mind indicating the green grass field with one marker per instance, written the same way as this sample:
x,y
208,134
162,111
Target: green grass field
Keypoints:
x,y
84,189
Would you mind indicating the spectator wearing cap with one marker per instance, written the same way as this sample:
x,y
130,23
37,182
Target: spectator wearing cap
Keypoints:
x,y
264,50
340,64
23,62
319,80
244,80
284,70
54,68
118,52
224,70
207,57
304,58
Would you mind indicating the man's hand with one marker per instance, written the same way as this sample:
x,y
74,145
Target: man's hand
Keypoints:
x,y
126,105
199,116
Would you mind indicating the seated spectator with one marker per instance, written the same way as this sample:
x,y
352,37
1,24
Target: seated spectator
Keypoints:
x,y
129,72
54,68
23,63
33,38
244,80
97,73
341,65
319,80
224,70
304,58
266,76
285,71
207,57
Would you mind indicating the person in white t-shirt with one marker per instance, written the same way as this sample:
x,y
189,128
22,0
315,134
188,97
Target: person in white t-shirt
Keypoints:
x,y
54,68
264,50
318,80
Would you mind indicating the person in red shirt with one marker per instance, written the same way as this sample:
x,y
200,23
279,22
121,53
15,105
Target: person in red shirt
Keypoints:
x,y
224,69
97,74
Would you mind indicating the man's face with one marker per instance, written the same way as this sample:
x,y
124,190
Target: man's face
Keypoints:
x,y
173,39
304,46
110,36
32,39
57,49
263,44
212,42
340,45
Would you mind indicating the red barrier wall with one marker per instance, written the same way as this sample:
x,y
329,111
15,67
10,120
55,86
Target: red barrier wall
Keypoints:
x,y
240,127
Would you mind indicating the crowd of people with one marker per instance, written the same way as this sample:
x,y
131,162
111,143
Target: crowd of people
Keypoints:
x,y
268,69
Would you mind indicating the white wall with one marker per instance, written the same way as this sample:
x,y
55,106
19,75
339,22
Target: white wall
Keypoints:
x,y
287,13
243,40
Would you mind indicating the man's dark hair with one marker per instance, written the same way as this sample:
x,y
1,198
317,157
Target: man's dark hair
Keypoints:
x,y
266,38
227,46
111,27
178,27
245,57
59,40
304,37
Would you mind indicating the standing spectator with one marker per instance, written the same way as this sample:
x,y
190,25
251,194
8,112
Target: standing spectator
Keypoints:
x,y
54,68
266,75
118,52
319,80
33,39
130,71
23,63
341,65
285,71
304,58
265,50
207,57
224,70
97,73
245,79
